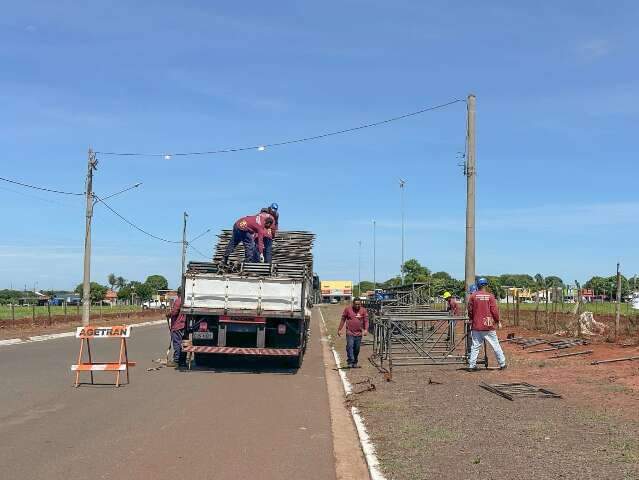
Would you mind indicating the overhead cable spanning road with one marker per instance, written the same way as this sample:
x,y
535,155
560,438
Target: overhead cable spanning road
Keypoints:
x,y
282,143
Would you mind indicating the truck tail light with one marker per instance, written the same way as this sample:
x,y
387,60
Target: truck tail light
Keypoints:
x,y
281,328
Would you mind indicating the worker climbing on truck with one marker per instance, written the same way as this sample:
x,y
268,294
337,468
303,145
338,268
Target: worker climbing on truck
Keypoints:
x,y
250,231
270,232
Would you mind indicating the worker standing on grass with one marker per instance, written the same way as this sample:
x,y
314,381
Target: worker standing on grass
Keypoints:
x,y
249,231
270,232
355,318
484,317
178,327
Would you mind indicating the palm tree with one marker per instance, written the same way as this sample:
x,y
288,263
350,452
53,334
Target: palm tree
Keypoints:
x,y
112,280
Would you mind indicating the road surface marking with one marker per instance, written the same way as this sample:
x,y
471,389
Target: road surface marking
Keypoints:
x,y
54,336
367,446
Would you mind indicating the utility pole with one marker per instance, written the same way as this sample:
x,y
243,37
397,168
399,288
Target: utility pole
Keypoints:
x,y
471,172
618,306
359,269
184,245
401,188
86,284
374,257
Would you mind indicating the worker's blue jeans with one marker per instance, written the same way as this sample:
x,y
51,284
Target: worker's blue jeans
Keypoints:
x,y
352,348
478,337
246,238
268,250
176,341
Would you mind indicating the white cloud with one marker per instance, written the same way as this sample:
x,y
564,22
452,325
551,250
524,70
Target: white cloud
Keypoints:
x,y
593,49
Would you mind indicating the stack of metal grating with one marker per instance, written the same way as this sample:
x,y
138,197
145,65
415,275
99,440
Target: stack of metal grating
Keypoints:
x,y
292,257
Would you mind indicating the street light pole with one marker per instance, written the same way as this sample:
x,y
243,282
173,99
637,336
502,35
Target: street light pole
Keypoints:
x,y
374,257
401,187
359,269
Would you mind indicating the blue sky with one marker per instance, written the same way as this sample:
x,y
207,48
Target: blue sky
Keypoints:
x,y
557,112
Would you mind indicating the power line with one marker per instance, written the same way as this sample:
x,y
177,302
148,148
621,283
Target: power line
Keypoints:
x,y
38,188
198,252
134,225
288,142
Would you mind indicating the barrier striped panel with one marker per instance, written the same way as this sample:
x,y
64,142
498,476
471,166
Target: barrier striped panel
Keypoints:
x,y
101,367
286,352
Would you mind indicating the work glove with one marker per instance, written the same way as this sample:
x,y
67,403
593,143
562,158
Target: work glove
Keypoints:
x,y
261,258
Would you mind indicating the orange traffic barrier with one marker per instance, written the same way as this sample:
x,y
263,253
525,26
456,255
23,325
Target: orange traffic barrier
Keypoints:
x,y
89,332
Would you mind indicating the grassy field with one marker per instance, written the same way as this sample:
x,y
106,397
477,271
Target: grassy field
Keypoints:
x,y
25,312
604,308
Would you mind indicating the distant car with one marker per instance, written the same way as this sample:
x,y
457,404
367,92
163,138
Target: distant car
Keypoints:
x,y
334,300
154,304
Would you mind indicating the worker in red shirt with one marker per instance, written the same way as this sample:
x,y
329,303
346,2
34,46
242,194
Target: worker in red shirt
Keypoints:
x,y
178,327
453,309
270,236
355,318
249,231
484,317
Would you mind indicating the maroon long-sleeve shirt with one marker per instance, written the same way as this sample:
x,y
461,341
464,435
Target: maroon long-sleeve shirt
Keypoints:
x,y
453,307
483,311
178,320
356,321
255,225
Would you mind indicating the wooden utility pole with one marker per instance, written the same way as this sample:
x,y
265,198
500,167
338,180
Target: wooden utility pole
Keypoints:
x,y
618,306
184,245
86,284
470,171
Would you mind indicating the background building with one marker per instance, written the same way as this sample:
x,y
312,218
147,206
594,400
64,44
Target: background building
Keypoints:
x,y
336,290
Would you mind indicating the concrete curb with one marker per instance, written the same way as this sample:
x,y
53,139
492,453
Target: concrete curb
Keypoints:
x,y
365,442
54,336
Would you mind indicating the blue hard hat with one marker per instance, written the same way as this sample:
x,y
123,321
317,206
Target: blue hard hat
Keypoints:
x,y
274,206
481,281
472,288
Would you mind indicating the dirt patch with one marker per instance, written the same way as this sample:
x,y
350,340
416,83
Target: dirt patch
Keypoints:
x,y
457,430
26,327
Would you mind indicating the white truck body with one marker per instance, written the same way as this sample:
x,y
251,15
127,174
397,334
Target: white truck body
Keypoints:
x,y
246,296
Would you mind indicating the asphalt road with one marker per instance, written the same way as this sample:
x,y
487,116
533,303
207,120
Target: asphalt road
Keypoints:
x,y
237,422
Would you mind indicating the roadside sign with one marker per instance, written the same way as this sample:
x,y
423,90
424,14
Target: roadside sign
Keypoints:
x,y
92,332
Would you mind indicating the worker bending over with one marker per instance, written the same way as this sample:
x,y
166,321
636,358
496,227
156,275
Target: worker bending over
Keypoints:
x,y
355,318
250,231
270,232
484,317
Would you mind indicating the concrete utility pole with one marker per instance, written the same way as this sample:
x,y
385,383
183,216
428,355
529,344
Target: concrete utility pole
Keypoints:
x,y
618,306
86,284
184,245
471,172
374,257
401,187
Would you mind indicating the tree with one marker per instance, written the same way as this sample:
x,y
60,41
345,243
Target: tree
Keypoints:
x,y
120,282
124,293
157,282
608,286
441,276
414,272
495,286
112,280
363,287
554,281
98,291
143,291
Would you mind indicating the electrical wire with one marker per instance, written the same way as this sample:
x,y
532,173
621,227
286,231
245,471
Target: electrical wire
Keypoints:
x,y
287,142
133,224
38,188
199,236
198,252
